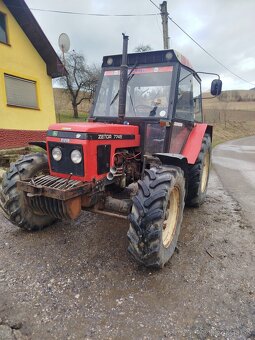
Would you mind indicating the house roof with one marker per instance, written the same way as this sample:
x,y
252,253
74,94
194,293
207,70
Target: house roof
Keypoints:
x,y
32,29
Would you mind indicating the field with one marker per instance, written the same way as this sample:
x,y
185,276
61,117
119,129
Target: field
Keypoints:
x,y
232,115
63,107
232,130
67,116
230,106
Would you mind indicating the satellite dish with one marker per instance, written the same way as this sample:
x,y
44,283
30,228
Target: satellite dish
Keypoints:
x,y
64,42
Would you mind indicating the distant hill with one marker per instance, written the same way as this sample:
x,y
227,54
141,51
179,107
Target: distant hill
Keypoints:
x,y
233,99
235,105
236,96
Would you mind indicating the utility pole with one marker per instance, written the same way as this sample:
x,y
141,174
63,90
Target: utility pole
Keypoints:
x,y
164,16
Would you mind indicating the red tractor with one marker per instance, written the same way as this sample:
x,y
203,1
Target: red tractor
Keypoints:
x,y
144,153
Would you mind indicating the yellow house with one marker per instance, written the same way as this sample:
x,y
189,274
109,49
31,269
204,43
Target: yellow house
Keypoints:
x,y
28,63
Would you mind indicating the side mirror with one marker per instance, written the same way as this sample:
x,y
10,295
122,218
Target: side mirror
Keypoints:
x,y
216,87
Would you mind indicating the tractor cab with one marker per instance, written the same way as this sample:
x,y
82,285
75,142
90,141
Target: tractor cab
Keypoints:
x,y
152,87
163,97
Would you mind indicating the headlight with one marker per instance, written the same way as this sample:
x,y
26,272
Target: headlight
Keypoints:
x,y
76,156
56,154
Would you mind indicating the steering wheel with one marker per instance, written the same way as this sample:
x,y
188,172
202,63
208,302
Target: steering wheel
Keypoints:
x,y
143,108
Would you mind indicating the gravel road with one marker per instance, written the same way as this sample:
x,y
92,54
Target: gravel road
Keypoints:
x,y
77,281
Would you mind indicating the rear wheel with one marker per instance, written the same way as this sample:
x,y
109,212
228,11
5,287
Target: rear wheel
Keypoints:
x,y
156,216
13,202
199,175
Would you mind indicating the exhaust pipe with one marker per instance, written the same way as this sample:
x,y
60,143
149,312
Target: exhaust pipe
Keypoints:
x,y
123,81
110,176
114,172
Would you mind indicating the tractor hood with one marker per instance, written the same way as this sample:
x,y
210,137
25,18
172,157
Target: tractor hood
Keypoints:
x,y
96,142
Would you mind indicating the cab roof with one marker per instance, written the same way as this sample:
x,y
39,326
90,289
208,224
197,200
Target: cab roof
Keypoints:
x,y
147,58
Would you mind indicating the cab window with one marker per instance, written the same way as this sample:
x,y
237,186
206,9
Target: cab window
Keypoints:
x,y
148,92
197,100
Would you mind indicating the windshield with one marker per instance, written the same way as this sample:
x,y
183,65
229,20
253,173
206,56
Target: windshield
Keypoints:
x,y
148,92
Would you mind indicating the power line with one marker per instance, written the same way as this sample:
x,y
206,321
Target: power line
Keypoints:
x,y
94,14
208,53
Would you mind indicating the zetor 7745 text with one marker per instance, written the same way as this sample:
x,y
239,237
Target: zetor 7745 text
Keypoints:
x,y
143,154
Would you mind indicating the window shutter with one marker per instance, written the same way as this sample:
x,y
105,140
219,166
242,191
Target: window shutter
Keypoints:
x,y
20,92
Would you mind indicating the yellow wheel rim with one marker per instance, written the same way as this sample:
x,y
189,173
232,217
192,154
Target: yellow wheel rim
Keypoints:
x,y
205,172
172,213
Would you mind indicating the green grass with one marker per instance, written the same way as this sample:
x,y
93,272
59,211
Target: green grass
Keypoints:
x,y
66,117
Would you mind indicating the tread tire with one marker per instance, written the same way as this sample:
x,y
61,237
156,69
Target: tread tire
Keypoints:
x,y
13,201
195,196
148,214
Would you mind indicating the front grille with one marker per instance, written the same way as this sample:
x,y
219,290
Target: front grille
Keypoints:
x,y
65,165
55,182
49,195
54,187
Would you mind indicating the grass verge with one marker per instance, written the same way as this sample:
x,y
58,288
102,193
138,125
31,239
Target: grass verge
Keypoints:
x,y
232,130
67,116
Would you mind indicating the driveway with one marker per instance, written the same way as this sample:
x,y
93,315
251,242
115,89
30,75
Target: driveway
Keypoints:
x,y
75,280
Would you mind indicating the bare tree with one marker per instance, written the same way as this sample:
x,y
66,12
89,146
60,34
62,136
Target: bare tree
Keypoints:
x,y
142,48
80,80
94,74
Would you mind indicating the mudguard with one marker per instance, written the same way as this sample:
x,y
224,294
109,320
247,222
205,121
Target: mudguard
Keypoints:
x,y
190,151
39,144
173,159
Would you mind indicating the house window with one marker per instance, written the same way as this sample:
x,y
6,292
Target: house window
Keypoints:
x,y
3,31
21,92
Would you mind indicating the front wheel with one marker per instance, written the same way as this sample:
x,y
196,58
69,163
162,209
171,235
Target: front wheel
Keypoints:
x,y
156,216
199,175
13,202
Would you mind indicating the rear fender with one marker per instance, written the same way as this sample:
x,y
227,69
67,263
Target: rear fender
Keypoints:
x,y
194,142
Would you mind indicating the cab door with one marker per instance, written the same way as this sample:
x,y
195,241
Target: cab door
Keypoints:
x,y
187,110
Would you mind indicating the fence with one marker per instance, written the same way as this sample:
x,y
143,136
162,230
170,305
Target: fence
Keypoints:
x,y
224,116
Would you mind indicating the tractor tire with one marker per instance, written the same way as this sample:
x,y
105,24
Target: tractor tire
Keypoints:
x,y
156,216
13,202
198,175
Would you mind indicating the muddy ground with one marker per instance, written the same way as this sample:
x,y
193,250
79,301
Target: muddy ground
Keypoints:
x,y
77,281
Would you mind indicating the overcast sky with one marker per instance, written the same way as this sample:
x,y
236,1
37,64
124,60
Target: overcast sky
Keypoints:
x,y
225,28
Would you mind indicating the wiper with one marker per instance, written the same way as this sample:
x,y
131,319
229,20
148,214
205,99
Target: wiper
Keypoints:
x,y
132,102
130,76
114,98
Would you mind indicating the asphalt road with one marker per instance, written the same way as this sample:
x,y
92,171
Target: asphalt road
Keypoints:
x,y
234,163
